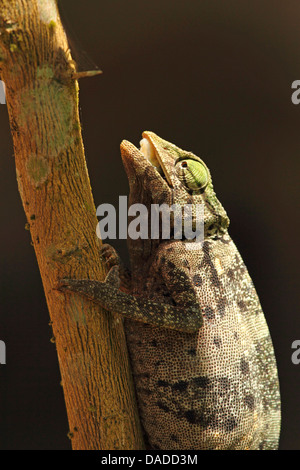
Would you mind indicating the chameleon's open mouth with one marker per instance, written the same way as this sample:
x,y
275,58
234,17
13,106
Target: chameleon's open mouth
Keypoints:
x,y
148,150
152,154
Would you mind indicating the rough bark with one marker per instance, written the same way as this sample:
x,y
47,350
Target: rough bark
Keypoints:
x,y
42,100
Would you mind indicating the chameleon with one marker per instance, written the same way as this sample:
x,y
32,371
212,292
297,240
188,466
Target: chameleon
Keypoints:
x,y
201,354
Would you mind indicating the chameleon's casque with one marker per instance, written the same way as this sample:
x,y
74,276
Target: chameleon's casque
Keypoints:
x,y
201,354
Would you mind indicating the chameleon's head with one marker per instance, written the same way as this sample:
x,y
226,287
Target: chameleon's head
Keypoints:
x,y
159,172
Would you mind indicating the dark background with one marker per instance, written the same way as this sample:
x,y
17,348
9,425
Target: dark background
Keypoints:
x,y
213,77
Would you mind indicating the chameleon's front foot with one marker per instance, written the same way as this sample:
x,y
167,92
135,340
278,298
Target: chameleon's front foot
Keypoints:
x,y
89,288
187,317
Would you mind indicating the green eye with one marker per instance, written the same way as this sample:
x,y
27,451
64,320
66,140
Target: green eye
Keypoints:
x,y
192,173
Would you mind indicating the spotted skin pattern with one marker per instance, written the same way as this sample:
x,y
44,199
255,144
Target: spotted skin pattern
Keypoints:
x,y
216,388
202,358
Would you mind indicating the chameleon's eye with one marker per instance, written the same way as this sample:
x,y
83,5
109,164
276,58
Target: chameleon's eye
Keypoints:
x,y
192,173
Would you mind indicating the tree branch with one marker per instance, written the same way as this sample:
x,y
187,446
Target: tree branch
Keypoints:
x,y
42,99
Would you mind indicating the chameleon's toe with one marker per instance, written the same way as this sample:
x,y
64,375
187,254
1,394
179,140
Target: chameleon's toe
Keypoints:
x,y
67,284
85,287
113,277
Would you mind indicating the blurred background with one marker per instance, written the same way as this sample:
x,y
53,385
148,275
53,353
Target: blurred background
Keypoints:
x,y
214,78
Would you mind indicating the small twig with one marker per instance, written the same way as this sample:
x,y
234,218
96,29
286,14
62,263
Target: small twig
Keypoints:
x,y
89,73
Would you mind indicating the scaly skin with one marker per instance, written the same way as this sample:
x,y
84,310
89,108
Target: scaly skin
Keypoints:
x,y
201,354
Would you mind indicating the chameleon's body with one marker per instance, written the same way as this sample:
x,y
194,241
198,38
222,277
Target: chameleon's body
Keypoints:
x,y
201,354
